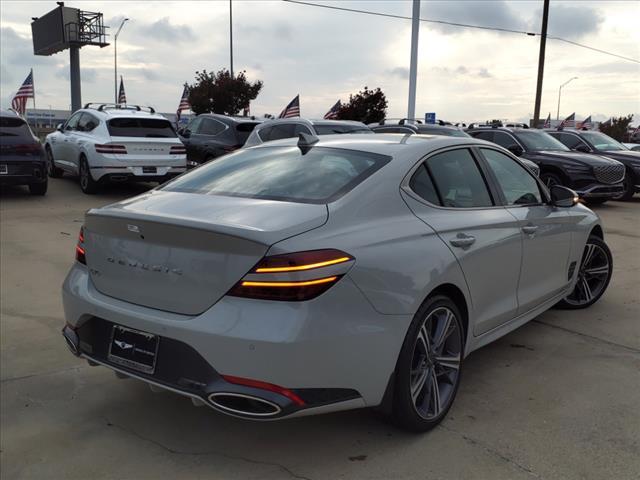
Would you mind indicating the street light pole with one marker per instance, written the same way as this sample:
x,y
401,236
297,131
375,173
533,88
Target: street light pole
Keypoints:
x,y
543,43
115,61
231,36
560,93
413,66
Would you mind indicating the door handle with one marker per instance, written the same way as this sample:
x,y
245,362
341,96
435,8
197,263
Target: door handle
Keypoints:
x,y
462,240
530,229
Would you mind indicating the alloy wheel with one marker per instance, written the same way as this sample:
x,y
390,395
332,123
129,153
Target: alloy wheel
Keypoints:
x,y
435,364
84,175
593,275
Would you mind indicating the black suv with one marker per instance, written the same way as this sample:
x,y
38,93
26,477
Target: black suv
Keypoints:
x,y
210,135
595,178
417,127
22,158
598,143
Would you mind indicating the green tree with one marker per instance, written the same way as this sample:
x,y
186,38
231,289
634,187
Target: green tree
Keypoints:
x,y
617,128
220,93
366,106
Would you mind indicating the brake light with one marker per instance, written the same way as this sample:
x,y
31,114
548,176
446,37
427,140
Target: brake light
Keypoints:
x,y
178,150
247,382
111,148
80,252
275,287
27,148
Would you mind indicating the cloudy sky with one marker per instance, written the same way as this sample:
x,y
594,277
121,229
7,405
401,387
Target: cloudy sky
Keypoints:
x,y
463,74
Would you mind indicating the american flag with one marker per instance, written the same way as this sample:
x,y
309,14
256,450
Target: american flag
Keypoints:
x,y
291,110
332,114
606,123
586,123
547,122
19,101
570,121
184,101
122,97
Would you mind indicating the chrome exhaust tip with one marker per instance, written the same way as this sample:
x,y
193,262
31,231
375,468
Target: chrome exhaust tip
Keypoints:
x,y
71,339
245,405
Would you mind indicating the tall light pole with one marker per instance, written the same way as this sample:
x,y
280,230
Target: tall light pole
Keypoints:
x,y
115,60
413,66
231,37
543,43
560,93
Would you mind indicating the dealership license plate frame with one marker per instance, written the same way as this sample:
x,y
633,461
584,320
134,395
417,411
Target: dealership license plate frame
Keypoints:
x,y
120,333
4,169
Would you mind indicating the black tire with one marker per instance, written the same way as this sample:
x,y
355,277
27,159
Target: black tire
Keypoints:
x,y
629,188
52,170
416,412
597,201
38,188
87,184
597,258
550,179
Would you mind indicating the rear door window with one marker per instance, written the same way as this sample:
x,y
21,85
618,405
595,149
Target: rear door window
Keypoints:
x,y
210,126
422,185
504,139
243,130
321,175
284,130
141,127
488,136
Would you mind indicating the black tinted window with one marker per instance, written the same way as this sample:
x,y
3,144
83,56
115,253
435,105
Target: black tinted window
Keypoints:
x,y
488,136
345,128
458,179
504,139
244,130
301,129
209,126
516,183
140,127
285,130
571,141
282,173
265,134
422,185
14,127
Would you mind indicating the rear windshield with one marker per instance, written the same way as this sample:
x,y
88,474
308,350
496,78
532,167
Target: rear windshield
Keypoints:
x,y
14,127
141,127
244,130
332,129
321,175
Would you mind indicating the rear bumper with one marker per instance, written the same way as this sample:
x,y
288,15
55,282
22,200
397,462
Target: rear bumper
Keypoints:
x,y
148,173
22,172
335,352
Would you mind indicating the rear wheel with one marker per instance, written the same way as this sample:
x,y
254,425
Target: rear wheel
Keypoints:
x,y
87,183
52,170
429,365
38,188
594,275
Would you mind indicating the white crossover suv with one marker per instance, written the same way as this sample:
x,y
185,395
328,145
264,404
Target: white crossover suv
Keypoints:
x,y
107,142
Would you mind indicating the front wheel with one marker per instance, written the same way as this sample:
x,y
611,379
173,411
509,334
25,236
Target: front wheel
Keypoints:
x,y
429,365
594,275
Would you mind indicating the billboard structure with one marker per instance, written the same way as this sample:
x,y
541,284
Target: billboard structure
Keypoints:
x,y
68,28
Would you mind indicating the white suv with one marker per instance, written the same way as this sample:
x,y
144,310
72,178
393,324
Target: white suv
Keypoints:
x,y
109,142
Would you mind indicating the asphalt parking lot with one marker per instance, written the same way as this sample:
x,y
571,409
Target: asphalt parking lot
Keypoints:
x,y
558,398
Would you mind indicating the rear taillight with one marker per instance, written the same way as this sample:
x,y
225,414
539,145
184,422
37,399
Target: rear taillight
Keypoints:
x,y
111,148
294,277
178,150
80,253
270,387
27,148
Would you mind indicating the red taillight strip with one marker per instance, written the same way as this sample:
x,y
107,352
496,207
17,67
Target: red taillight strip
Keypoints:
x,y
247,382
111,148
177,150
303,267
305,283
80,252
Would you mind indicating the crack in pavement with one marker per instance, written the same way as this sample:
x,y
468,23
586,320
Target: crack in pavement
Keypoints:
x,y
491,451
205,453
591,337
32,375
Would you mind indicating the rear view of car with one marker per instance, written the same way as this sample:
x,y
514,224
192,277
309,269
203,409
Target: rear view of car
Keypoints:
x,y
22,159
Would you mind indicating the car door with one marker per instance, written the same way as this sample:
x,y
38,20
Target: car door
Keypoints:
x,y
87,123
190,142
211,140
449,192
61,147
546,231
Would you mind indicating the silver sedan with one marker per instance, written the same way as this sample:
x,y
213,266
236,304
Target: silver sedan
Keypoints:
x,y
313,275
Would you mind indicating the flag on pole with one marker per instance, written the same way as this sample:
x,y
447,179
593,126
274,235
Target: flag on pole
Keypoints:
x,y
586,124
184,102
332,114
606,123
19,101
122,97
246,111
291,110
570,121
547,122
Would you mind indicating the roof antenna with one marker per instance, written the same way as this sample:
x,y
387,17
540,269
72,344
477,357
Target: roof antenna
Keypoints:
x,y
306,141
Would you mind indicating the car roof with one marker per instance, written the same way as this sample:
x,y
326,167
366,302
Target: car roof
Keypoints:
x,y
230,118
310,121
489,128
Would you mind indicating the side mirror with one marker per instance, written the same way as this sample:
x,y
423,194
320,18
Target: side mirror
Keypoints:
x,y
515,149
59,127
582,148
186,133
563,196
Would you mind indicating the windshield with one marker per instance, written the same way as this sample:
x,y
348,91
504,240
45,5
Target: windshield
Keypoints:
x,y
141,127
602,141
539,141
321,175
331,129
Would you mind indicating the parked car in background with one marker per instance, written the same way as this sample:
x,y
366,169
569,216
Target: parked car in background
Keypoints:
x,y
281,128
412,126
104,143
22,158
589,141
633,146
319,274
595,178
210,135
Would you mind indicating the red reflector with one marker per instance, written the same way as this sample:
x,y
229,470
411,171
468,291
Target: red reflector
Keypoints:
x,y
178,150
26,148
111,148
265,386
80,252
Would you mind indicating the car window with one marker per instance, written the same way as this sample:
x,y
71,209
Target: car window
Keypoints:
x,y
321,175
394,130
283,130
458,180
72,123
504,139
244,129
488,136
210,126
141,127
87,123
422,185
340,128
536,140
602,141
194,124
300,128
265,133
516,183
14,127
